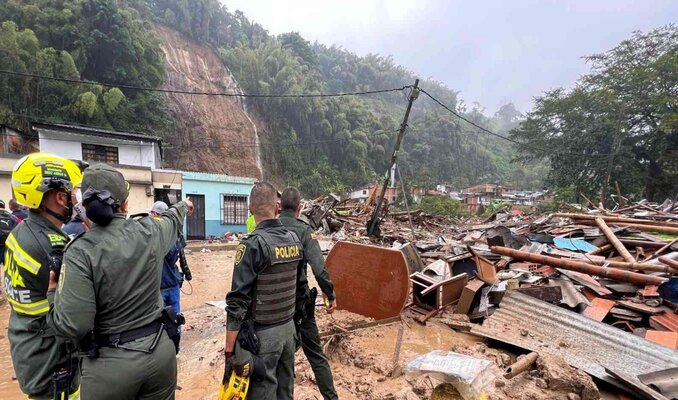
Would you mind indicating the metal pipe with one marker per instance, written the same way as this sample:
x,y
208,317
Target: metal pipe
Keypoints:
x,y
662,249
521,365
612,273
669,262
642,243
641,227
636,266
609,218
615,242
601,249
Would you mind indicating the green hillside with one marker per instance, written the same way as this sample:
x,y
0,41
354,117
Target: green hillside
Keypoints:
x,y
319,144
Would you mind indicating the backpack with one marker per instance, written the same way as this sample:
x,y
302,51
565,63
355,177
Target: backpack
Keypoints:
x,y
7,223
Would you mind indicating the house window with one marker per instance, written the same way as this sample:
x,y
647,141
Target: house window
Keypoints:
x,y
98,153
234,209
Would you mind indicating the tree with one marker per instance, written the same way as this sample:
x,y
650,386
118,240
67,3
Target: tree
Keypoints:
x,y
623,110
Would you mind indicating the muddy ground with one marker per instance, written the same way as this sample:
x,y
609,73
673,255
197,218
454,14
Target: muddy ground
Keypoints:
x,y
362,361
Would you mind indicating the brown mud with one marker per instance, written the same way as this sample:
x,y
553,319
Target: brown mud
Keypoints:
x,y
362,361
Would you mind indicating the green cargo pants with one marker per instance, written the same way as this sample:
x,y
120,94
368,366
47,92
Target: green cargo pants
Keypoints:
x,y
304,318
277,345
313,349
120,374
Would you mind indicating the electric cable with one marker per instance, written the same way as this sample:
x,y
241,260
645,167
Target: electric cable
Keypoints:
x,y
177,91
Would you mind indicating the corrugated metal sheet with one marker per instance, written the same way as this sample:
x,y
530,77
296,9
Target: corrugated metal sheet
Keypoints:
x,y
665,382
585,344
571,296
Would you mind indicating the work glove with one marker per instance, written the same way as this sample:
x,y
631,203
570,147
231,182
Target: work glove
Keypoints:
x,y
228,368
246,364
187,274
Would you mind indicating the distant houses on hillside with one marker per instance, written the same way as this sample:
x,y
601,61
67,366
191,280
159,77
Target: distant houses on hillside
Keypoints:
x,y
473,198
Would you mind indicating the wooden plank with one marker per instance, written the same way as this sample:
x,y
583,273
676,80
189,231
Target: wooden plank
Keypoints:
x,y
599,309
468,294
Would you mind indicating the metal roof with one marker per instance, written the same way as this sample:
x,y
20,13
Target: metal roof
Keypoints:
x,y
92,131
584,343
211,177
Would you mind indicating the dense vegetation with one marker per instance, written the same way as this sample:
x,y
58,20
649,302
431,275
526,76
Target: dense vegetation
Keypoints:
x,y
620,119
351,137
93,40
331,144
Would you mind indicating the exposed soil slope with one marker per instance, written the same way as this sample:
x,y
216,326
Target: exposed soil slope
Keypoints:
x,y
210,133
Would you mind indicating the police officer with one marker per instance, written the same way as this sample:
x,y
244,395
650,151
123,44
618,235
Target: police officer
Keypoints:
x,y
263,291
108,297
305,313
43,182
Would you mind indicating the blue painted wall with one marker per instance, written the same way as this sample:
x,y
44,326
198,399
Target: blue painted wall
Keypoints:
x,y
213,187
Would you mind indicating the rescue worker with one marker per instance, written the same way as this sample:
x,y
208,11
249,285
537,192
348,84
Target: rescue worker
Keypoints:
x,y
43,182
263,291
170,283
304,317
108,297
17,210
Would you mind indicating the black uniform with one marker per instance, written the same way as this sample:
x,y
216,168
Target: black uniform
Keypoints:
x,y
264,290
305,314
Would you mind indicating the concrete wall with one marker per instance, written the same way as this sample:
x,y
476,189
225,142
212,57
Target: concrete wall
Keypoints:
x,y
7,162
130,152
141,188
213,187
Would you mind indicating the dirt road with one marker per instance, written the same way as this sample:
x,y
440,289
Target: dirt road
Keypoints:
x,y
361,361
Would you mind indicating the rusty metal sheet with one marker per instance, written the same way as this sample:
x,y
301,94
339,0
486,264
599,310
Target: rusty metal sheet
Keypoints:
x,y
665,382
585,344
369,280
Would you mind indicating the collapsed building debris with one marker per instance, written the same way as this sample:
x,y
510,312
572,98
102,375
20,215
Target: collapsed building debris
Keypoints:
x,y
610,275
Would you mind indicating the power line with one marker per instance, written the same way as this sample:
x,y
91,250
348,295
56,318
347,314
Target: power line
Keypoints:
x,y
242,144
222,94
504,137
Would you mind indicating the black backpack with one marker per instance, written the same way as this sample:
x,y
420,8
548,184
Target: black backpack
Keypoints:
x,y
7,223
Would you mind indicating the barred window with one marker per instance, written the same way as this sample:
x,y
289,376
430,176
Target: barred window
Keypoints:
x,y
98,153
234,209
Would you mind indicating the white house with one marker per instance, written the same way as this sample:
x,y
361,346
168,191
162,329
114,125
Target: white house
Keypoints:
x,y
137,156
98,145
360,194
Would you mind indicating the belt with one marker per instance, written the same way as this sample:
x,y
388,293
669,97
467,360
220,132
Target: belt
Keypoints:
x,y
117,339
263,327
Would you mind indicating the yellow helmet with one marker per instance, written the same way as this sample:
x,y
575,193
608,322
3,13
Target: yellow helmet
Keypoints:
x,y
37,173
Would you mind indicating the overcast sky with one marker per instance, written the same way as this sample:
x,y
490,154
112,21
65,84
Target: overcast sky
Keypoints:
x,y
491,51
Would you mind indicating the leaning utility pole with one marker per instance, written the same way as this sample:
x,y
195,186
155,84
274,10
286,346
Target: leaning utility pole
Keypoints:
x,y
374,221
616,144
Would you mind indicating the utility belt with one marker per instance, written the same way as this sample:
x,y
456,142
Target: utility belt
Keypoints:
x,y
305,308
62,378
169,322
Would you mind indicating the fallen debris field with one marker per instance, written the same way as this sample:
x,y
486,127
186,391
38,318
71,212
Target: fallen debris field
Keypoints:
x,y
507,307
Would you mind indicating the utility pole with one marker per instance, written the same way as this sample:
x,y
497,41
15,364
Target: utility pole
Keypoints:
x,y
610,160
374,221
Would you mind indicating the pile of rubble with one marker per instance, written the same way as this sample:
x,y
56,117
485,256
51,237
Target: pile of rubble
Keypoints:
x,y
597,288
